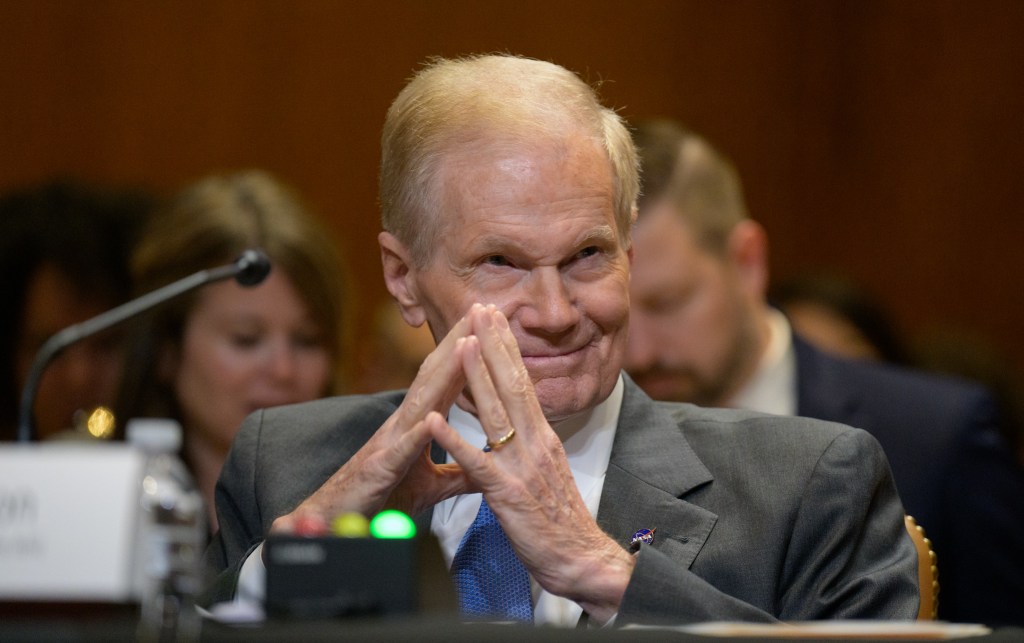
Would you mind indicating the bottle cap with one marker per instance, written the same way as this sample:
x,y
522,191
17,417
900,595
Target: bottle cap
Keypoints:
x,y
154,435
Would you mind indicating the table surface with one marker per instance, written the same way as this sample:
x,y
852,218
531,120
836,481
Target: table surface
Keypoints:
x,y
36,627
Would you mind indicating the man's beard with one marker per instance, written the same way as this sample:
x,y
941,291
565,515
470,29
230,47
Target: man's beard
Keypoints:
x,y
683,383
679,384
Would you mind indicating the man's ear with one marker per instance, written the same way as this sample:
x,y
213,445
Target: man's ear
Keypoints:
x,y
400,278
748,250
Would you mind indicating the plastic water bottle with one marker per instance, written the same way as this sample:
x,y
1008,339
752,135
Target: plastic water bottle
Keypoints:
x,y
170,538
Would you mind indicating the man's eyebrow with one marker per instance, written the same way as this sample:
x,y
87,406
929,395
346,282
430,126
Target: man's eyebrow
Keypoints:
x,y
493,243
602,233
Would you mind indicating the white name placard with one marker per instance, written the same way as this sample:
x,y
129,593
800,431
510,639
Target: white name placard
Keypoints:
x,y
67,521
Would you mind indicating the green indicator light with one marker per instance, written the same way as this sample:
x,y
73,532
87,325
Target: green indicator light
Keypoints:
x,y
392,524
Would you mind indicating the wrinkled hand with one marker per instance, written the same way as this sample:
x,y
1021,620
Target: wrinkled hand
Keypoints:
x,y
393,469
527,481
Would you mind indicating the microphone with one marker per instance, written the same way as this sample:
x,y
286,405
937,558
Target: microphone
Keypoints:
x,y
251,267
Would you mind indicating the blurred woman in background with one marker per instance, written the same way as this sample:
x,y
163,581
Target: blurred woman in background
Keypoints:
x,y
211,358
65,246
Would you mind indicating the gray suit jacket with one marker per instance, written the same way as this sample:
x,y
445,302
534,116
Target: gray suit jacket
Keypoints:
x,y
758,517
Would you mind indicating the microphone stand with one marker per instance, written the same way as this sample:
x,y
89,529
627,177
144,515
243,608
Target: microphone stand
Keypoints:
x,y
249,269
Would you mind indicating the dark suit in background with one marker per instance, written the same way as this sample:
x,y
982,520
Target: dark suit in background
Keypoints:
x,y
756,516
953,472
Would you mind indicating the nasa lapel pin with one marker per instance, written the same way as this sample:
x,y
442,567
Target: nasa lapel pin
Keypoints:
x,y
641,537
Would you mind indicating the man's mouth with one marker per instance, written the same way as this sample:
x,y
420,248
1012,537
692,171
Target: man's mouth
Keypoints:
x,y
548,359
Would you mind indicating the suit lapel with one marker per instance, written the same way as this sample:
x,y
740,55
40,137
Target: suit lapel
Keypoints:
x,y
652,467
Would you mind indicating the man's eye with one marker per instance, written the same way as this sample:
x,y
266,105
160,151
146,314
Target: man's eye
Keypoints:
x,y
497,260
589,251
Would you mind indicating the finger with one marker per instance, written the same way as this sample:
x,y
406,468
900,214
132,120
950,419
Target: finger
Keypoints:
x,y
508,340
511,380
364,483
438,382
477,466
452,479
489,407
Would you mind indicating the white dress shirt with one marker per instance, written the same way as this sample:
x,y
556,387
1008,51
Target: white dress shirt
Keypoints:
x,y
772,389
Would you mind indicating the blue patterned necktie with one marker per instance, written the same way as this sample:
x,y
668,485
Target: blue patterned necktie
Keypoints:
x,y
490,579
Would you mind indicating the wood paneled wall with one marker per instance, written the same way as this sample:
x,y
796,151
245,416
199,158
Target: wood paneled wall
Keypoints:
x,y
876,137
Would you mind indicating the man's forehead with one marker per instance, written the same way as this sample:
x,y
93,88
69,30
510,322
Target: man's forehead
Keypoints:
x,y
520,164
566,187
520,140
522,155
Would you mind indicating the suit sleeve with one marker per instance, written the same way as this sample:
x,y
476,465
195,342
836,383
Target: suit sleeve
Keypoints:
x,y
846,556
240,529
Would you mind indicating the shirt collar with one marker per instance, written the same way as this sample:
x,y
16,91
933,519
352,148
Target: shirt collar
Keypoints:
x,y
772,389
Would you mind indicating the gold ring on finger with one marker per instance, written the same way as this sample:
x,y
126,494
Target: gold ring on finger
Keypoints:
x,y
502,441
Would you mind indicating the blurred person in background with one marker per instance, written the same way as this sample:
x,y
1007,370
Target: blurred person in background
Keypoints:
x,y
64,251
839,316
212,357
701,331
966,353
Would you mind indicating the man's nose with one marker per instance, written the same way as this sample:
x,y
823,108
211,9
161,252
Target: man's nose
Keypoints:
x,y
550,306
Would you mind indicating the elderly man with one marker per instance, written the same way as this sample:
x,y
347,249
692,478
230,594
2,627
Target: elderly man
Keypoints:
x,y
508,193
701,331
